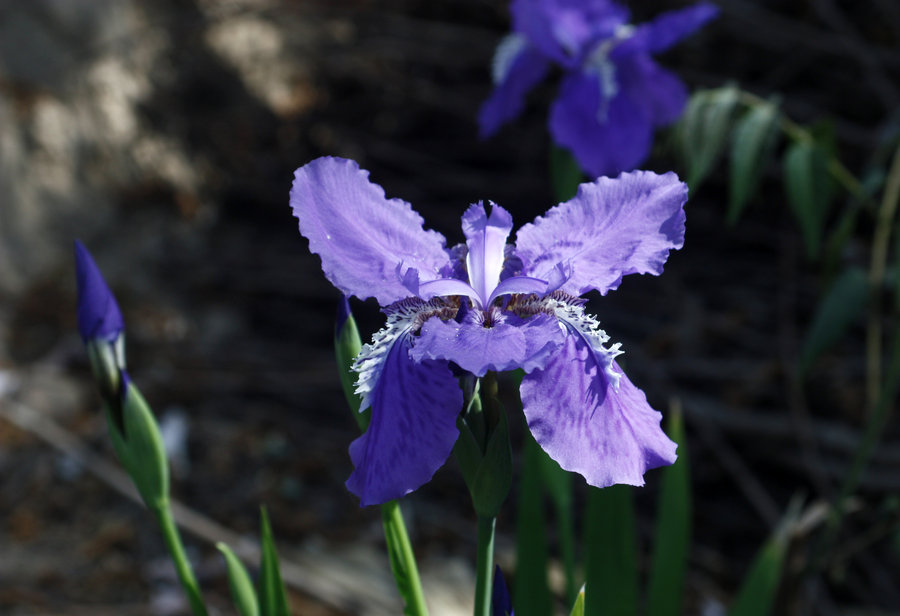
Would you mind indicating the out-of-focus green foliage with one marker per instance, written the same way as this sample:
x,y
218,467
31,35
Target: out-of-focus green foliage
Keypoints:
x,y
753,140
239,582
844,302
673,530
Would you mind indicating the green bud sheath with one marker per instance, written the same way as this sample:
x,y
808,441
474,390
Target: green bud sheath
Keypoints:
x,y
346,347
107,361
140,448
485,460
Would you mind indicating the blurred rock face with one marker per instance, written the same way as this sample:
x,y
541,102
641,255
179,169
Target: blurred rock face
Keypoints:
x,y
86,118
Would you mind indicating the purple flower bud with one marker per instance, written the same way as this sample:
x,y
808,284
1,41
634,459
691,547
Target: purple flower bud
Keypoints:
x,y
501,605
98,312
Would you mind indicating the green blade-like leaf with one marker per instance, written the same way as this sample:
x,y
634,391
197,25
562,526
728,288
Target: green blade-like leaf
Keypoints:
x,y
611,575
239,582
578,607
703,130
531,593
808,189
673,530
558,484
753,140
845,301
272,594
757,593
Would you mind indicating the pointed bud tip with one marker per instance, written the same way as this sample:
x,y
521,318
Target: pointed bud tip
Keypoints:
x,y
98,313
343,313
500,601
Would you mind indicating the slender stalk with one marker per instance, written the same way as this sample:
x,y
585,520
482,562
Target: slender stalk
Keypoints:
x,y
179,557
403,561
484,568
880,242
880,395
566,527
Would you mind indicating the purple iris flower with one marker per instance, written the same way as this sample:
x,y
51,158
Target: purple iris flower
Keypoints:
x,y
613,94
98,313
491,306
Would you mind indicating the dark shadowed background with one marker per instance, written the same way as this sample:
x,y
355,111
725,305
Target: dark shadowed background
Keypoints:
x,y
164,135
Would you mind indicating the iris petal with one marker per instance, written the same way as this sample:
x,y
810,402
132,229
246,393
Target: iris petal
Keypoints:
x,y
608,436
518,284
526,69
606,132
412,430
507,345
360,235
669,28
486,240
564,30
611,228
659,92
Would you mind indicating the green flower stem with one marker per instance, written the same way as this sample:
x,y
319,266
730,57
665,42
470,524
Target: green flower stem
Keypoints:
x,y
484,568
403,561
182,565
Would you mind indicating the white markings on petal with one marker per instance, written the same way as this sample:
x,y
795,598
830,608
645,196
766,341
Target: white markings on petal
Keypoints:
x,y
507,51
403,318
588,327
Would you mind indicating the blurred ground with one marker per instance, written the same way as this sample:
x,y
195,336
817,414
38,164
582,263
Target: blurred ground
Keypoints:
x,y
165,134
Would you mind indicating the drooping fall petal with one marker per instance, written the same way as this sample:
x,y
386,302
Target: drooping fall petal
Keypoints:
x,y
583,422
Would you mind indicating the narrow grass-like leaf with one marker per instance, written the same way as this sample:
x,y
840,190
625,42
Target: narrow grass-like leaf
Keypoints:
x,y
673,529
752,141
558,484
272,594
703,130
845,302
239,582
611,584
531,593
758,591
808,189
578,607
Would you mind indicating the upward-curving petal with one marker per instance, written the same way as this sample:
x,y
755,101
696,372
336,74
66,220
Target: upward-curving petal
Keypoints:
x,y
486,240
668,28
564,30
412,429
361,236
518,67
606,435
611,228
